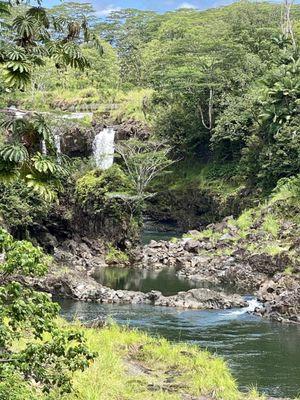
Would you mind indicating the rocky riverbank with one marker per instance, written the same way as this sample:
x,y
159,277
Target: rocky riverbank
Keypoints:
x,y
223,256
80,286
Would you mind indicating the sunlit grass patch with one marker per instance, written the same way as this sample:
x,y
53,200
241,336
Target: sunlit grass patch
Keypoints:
x,y
171,369
271,225
245,220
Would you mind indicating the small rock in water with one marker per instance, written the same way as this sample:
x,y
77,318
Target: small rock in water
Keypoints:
x,y
99,322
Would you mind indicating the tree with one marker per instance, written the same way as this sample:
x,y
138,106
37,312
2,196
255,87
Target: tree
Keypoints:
x,y
278,136
49,354
261,128
75,11
33,35
286,22
144,161
195,62
128,31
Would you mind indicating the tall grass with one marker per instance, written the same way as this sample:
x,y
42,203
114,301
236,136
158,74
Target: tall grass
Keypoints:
x,y
156,363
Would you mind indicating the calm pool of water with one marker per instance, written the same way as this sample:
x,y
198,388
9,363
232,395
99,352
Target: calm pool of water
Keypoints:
x,y
165,280
259,353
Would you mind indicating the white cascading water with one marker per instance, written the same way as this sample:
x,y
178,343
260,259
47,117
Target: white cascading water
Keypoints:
x,y
44,148
104,148
252,305
57,145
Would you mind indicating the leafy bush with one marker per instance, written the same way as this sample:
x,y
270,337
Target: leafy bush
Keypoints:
x,y
116,256
93,186
31,342
13,387
222,171
20,207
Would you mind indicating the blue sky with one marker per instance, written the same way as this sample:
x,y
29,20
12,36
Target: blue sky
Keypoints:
x,y
103,7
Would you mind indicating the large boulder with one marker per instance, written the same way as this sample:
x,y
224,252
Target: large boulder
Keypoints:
x,y
132,129
202,299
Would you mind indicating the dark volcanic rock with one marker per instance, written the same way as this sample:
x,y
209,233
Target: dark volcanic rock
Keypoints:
x,y
76,141
78,285
132,128
268,264
281,298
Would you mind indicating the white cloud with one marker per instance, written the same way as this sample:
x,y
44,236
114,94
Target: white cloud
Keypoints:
x,y
104,12
186,5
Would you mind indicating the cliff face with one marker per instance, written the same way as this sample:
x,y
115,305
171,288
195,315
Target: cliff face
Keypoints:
x,y
193,208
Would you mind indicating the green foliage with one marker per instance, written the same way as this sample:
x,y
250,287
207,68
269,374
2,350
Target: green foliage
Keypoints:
x,y
287,190
73,89
19,156
220,85
14,153
206,234
273,249
45,165
34,36
132,105
245,220
13,387
23,258
144,161
31,343
116,256
271,225
93,186
289,270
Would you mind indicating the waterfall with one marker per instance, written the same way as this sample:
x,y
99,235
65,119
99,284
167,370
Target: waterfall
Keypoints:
x,y
104,148
44,147
57,145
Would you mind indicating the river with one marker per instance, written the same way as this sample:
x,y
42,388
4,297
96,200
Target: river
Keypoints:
x,y
260,353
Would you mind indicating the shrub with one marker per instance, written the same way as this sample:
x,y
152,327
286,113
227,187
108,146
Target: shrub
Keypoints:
x,y
20,207
31,342
13,387
116,256
92,187
245,220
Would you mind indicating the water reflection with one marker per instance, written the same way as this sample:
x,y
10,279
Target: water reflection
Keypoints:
x,y
165,280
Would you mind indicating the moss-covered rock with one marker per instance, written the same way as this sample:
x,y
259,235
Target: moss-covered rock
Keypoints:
x,y
105,206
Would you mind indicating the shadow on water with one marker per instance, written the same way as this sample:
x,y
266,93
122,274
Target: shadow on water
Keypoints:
x,y
260,353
